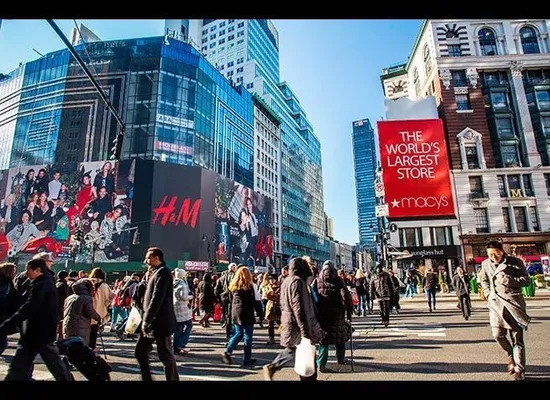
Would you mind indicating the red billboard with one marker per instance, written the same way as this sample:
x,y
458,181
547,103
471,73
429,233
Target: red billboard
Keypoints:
x,y
415,168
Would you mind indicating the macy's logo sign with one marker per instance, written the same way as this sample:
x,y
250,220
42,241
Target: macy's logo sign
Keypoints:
x,y
421,202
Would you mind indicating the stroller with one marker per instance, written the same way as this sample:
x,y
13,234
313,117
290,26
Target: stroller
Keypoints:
x,y
92,366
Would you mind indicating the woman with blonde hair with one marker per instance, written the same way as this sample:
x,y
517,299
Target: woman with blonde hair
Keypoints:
x,y
243,300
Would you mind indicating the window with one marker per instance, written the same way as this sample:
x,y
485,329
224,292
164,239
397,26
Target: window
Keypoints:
x,y
527,185
482,222
416,82
534,218
213,36
547,183
471,157
230,37
410,237
213,28
515,186
240,33
230,29
427,60
205,32
543,98
439,236
487,42
204,40
221,41
476,184
504,128
521,219
459,78
499,100
240,25
462,102
545,124
240,69
506,216
502,186
529,41
509,155
222,32
454,50
222,24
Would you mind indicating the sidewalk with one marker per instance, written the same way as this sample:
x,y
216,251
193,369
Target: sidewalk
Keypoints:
x,y
540,294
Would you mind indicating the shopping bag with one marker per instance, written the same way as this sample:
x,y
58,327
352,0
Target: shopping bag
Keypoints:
x,y
217,312
134,319
304,364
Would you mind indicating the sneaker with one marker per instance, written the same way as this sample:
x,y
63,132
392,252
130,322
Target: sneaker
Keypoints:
x,y
343,361
269,371
226,358
519,375
511,366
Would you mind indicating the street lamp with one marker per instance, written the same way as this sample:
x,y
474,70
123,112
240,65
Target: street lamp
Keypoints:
x,y
208,241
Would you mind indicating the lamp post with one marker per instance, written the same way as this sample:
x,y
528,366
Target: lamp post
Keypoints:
x,y
208,241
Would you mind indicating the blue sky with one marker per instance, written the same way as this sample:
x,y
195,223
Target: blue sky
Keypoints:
x,y
333,66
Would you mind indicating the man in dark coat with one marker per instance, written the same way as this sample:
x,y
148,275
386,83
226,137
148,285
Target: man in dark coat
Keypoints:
x,y
38,316
298,317
502,277
159,319
461,285
334,305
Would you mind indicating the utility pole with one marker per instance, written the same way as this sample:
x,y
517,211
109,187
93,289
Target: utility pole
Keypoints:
x,y
117,143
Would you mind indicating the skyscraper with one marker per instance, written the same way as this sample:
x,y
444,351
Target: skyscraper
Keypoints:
x,y
247,53
364,161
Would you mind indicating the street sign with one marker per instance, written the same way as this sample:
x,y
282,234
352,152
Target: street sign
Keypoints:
x,y
392,227
382,210
379,189
64,255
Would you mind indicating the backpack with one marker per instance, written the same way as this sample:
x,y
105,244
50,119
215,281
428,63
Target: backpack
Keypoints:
x,y
126,297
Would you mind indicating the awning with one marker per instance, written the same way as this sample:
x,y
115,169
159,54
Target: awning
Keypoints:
x,y
535,258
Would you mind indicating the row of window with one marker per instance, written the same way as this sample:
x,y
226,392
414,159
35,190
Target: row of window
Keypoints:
x,y
525,218
439,236
221,25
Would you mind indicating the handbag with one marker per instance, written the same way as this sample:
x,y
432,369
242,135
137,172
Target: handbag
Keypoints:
x,y
304,363
134,320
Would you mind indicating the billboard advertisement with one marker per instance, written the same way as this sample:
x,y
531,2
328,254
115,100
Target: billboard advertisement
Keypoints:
x,y
415,168
244,231
42,206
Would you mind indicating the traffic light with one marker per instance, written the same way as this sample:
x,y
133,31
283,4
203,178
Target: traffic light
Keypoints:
x,y
137,238
79,235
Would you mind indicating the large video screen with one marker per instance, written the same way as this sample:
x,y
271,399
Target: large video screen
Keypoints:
x,y
43,206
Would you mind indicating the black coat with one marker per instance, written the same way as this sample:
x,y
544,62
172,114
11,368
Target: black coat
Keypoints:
x,y
462,287
38,315
158,306
9,299
242,307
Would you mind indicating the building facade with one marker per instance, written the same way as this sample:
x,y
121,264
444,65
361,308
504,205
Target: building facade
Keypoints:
x,y
267,150
176,106
247,53
491,82
365,165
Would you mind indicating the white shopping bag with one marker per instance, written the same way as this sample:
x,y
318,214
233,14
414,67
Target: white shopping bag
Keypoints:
x,y
304,364
134,319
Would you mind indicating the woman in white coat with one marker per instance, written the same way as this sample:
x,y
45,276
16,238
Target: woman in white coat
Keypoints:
x,y
103,296
184,315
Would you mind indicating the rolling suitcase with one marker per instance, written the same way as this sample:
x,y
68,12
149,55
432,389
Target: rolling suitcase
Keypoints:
x,y
92,366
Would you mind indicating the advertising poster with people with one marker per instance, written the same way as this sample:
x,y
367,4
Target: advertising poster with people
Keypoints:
x,y
43,206
244,232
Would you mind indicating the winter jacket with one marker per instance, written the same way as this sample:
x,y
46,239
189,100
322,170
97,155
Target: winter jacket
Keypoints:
x,y
182,296
509,296
461,286
333,306
38,316
430,281
381,286
102,298
9,299
78,311
298,314
63,291
242,307
207,296
159,318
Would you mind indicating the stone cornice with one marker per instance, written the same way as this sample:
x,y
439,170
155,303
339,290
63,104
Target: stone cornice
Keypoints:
x,y
493,62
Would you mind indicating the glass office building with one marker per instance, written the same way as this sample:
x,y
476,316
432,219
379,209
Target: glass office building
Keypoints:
x,y
37,98
176,106
364,161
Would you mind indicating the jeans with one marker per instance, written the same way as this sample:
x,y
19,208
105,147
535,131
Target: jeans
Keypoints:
x,y
116,312
182,334
411,290
364,304
384,310
240,331
465,305
144,346
22,362
430,294
322,357
3,344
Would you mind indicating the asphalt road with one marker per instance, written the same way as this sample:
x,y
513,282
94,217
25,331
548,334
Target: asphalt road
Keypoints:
x,y
417,346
